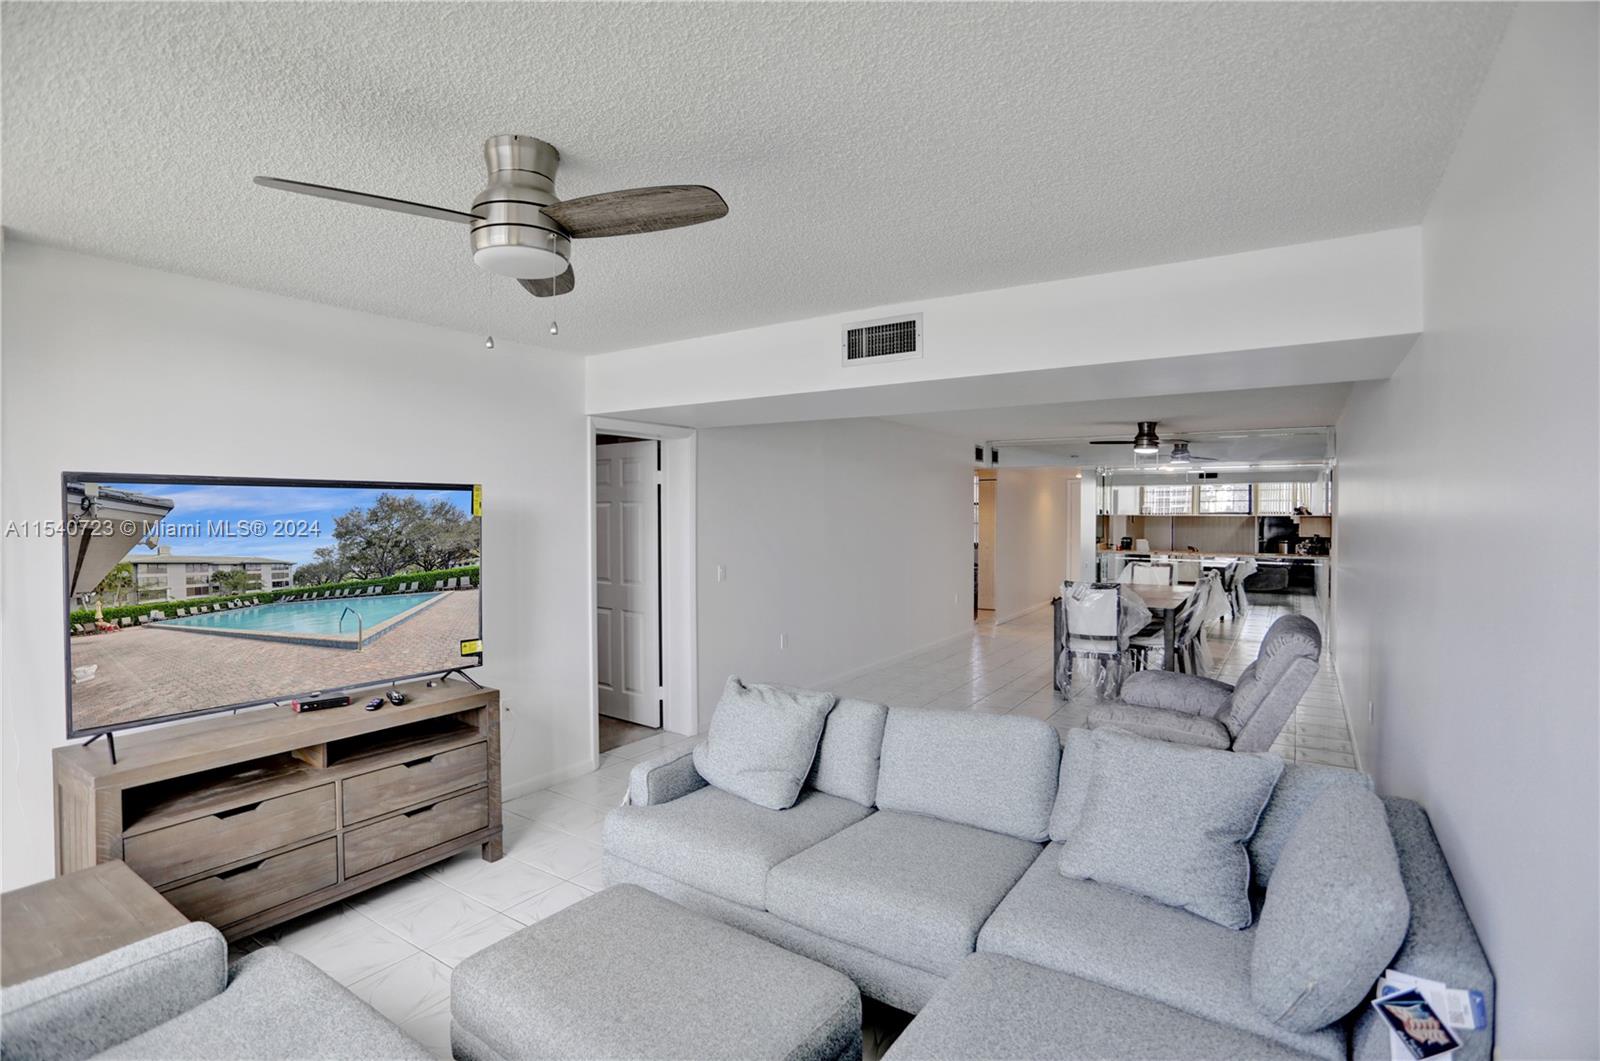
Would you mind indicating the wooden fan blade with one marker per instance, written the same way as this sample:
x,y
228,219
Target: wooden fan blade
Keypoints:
x,y
382,202
558,285
636,210
1110,442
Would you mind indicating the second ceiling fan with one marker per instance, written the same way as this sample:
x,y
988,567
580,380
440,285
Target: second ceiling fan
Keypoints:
x,y
521,230
1146,443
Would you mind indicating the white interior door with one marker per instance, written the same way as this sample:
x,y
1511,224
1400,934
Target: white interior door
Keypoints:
x,y
627,586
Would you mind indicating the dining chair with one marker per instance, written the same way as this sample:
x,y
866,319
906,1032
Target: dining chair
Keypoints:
x,y
1144,574
1189,629
1241,571
1096,622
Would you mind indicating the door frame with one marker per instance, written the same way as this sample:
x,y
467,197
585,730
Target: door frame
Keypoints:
x,y
679,651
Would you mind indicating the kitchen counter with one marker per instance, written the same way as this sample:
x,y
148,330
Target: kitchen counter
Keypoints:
x,y
1185,555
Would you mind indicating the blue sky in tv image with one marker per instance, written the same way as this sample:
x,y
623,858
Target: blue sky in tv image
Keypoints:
x,y
287,522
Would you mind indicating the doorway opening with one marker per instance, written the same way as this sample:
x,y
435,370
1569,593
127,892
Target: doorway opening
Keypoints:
x,y
983,536
629,655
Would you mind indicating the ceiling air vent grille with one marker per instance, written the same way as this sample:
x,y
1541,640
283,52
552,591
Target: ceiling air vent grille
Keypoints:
x,y
892,339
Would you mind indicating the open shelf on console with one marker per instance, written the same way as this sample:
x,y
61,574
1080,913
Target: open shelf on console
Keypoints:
x,y
178,799
399,742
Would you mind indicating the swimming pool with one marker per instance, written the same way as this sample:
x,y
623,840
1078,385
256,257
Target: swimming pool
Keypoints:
x,y
315,622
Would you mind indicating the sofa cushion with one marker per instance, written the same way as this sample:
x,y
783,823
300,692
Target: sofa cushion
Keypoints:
x,y
1171,691
1295,792
722,843
905,886
277,1005
1441,943
85,1008
1335,914
1170,821
1072,784
847,758
994,772
1157,723
1297,789
762,741
1122,940
996,1006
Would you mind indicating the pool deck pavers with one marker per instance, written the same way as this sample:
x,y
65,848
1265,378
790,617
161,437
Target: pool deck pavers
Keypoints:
x,y
147,673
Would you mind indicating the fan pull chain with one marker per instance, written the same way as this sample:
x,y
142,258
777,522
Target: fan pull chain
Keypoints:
x,y
488,311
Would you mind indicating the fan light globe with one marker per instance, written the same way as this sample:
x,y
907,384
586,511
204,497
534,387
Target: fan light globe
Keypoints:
x,y
520,262
1146,449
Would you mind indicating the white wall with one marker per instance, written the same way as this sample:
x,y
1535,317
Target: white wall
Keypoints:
x,y
1036,537
852,539
1284,297
1466,565
112,367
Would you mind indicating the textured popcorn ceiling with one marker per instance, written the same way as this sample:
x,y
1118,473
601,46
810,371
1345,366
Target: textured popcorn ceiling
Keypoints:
x,y
870,153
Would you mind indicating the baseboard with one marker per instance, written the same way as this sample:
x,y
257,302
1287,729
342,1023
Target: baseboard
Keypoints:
x,y
889,661
1019,614
1344,700
516,789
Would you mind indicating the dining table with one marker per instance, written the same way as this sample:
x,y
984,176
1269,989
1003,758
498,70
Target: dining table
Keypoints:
x,y
1164,601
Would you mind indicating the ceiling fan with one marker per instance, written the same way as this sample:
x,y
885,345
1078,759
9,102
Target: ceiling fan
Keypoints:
x,y
521,230
1146,443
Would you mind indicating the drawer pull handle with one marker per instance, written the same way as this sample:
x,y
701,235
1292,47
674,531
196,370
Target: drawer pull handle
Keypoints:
x,y
246,809
420,810
235,871
419,762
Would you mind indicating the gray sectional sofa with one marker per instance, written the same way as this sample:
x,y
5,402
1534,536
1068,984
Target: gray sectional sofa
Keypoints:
x,y
921,859
174,996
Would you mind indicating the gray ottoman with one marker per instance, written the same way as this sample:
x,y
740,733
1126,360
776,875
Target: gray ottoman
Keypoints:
x,y
628,974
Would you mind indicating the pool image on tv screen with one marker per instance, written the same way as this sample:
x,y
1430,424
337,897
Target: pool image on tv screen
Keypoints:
x,y
186,596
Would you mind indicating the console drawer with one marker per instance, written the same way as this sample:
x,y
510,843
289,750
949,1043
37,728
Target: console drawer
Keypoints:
x,y
405,834
191,847
247,890
407,784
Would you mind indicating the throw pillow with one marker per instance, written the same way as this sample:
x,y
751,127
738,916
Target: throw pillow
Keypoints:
x,y
1336,913
762,740
1077,767
1169,821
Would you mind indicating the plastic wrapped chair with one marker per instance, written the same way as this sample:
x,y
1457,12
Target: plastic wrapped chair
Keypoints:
x,y
1095,621
1189,628
1241,571
1140,573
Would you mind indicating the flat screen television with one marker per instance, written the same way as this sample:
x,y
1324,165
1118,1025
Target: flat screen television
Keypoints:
x,y
188,595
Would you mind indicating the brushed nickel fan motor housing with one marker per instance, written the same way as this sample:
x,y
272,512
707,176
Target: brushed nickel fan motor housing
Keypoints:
x,y
522,182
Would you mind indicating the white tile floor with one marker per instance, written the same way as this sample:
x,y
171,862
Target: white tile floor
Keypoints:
x,y
395,946
1005,669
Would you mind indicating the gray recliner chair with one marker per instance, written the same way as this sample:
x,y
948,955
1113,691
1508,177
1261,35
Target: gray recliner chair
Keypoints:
x,y
1246,717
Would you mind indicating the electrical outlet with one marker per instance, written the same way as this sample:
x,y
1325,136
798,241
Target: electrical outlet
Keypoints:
x,y
1371,709
722,573
783,642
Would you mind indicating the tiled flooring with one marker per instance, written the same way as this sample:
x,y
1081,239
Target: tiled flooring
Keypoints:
x,y
395,946
1005,669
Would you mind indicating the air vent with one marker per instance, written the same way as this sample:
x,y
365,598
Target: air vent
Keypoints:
x,y
892,339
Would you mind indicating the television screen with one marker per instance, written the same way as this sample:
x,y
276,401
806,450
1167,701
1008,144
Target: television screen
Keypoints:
x,y
192,595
